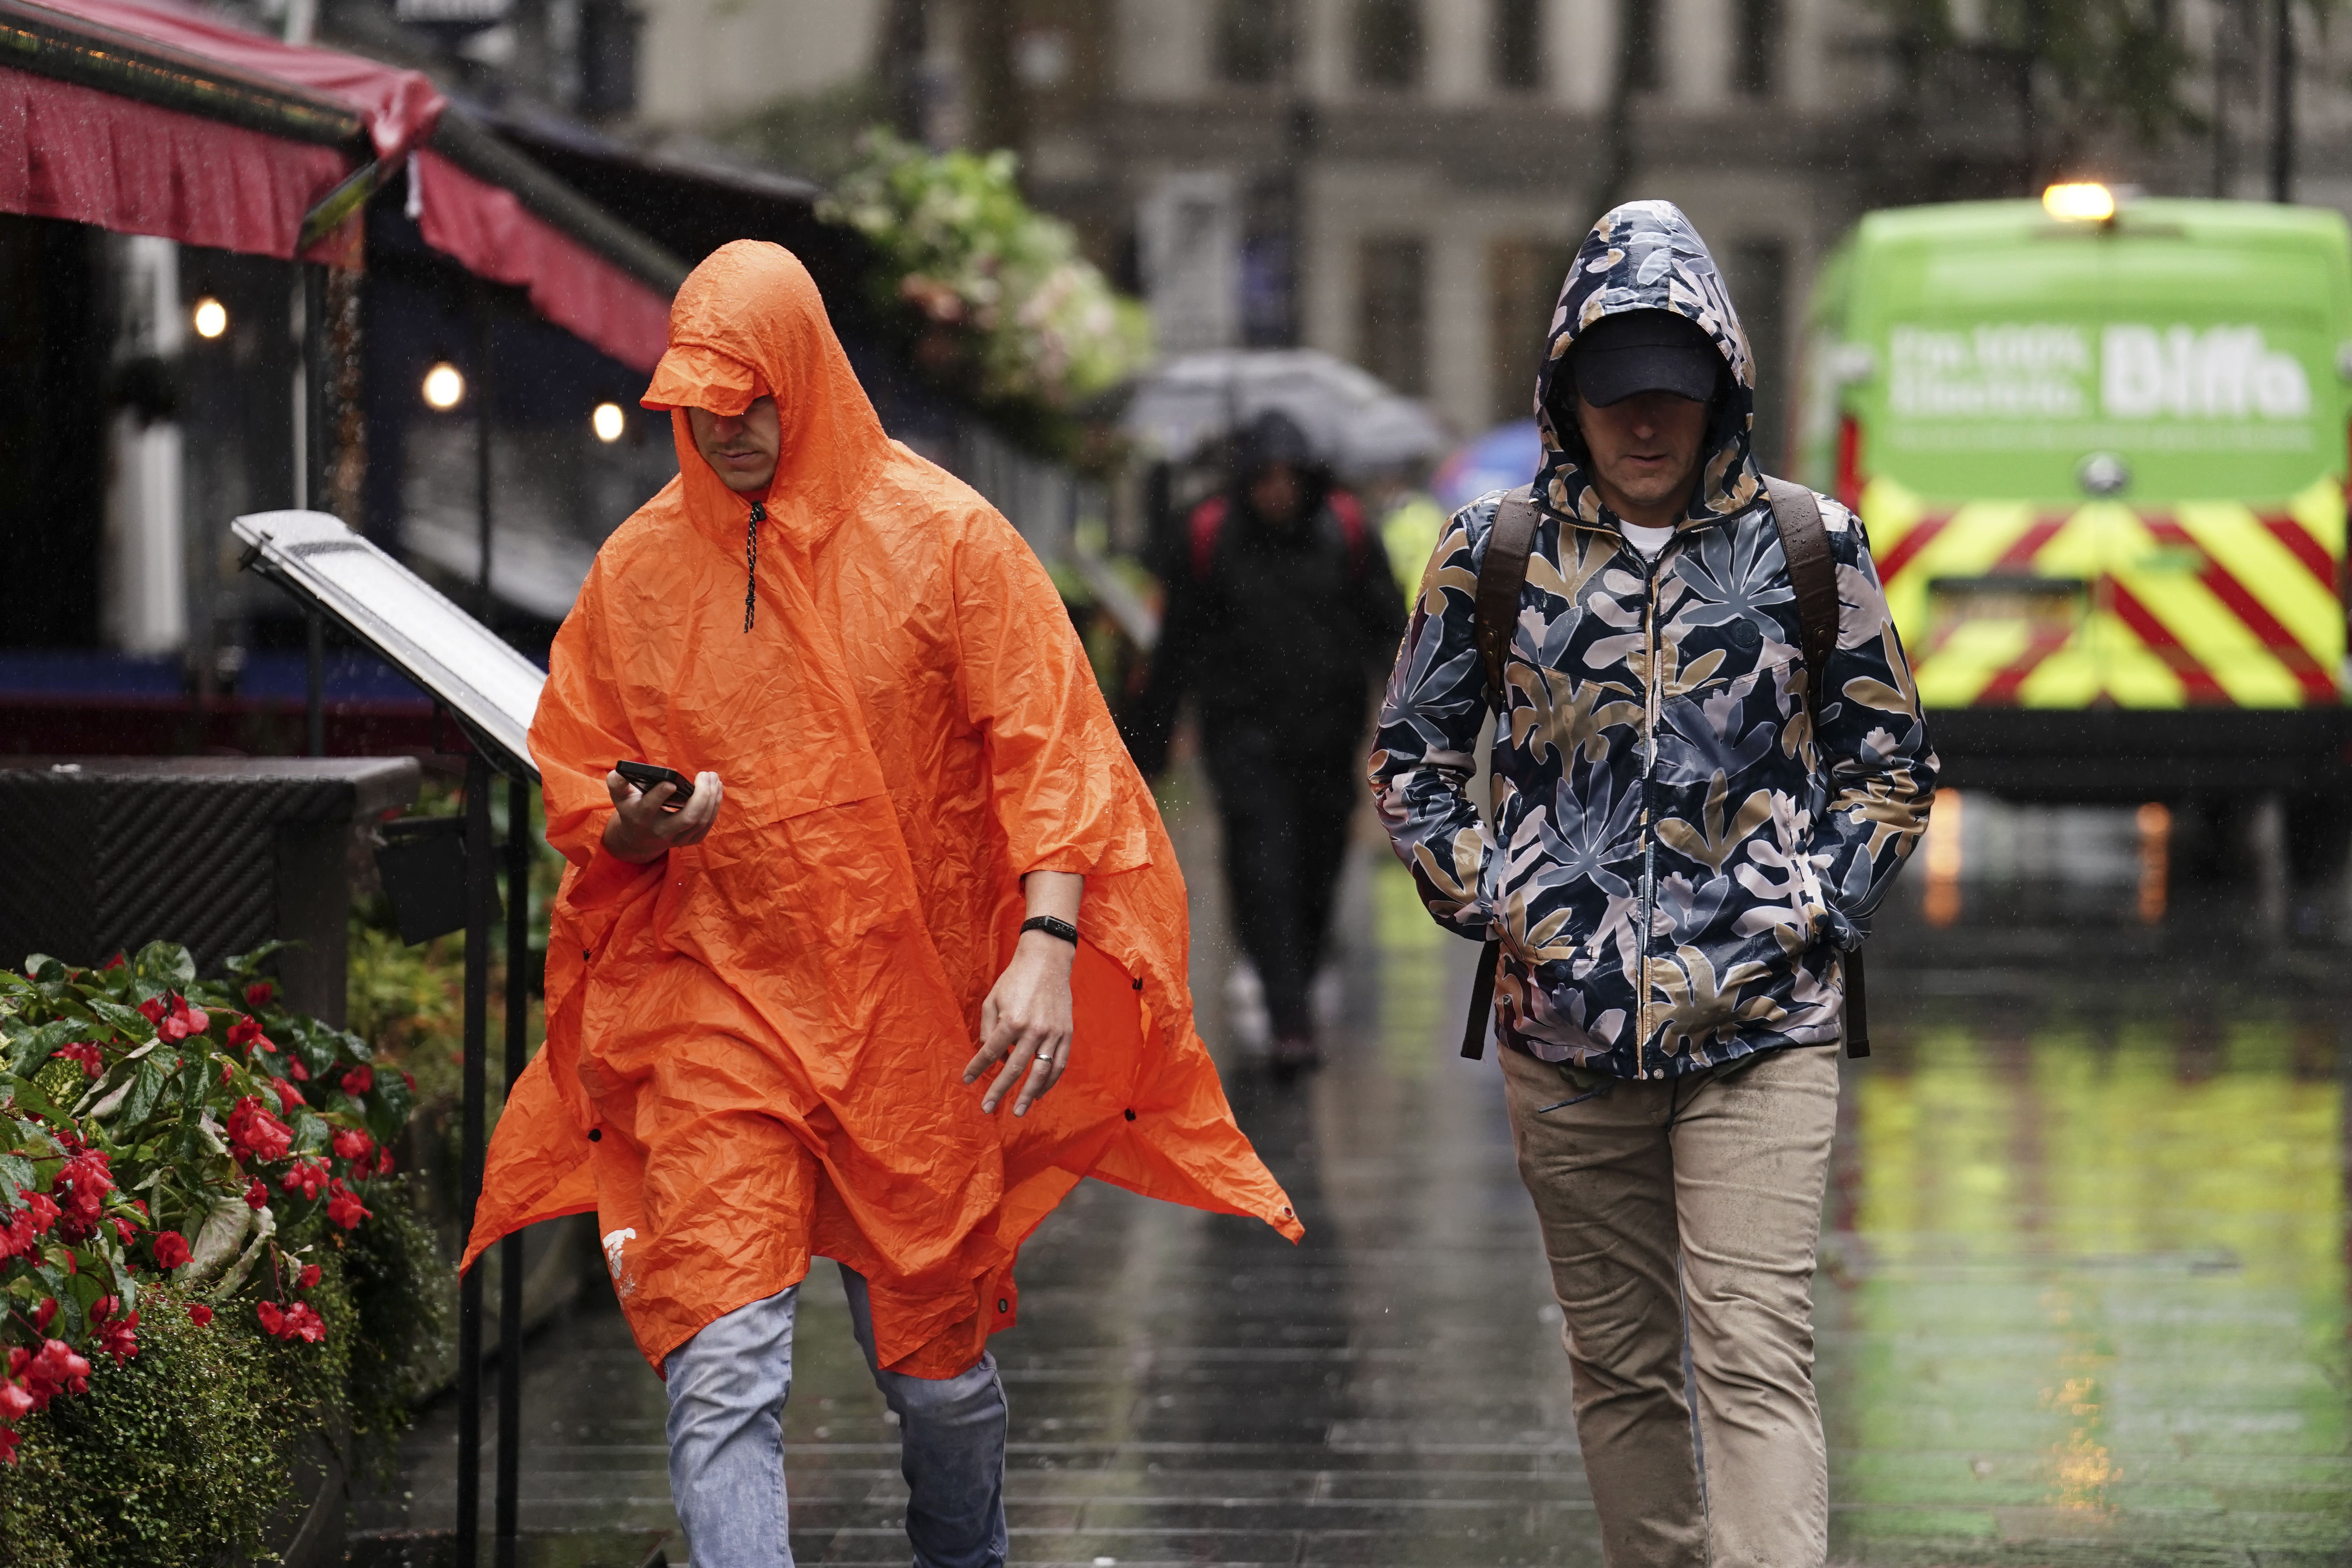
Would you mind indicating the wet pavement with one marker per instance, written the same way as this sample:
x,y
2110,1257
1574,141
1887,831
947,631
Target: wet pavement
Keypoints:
x,y
2082,1297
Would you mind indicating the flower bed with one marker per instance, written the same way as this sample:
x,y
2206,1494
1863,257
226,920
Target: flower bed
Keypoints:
x,y
206,1257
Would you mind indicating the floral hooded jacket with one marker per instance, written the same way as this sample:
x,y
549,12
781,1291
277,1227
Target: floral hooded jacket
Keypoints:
x,y
1684,839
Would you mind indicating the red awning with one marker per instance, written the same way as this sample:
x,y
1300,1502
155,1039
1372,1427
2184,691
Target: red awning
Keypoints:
x,y
68,151
398,106
487,229
156,119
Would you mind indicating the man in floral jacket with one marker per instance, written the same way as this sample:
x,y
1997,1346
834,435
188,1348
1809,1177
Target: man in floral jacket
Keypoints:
x,y
1689,828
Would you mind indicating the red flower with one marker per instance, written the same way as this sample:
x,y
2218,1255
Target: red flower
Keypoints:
x,y
258,993
359,1081
176,1022
257,1196
85,1180
253,1132
171,1250
306,1177
199,1314
244,1034
114,963
8,1441
355,1145
41,1207
308,1278
14,1401
45,1314
343,1207
55,1370
124,1229
296,1070
84,1052
117,1337
300,1322
289,1097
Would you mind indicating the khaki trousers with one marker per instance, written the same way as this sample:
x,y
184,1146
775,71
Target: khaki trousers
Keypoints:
x,y
1698,1201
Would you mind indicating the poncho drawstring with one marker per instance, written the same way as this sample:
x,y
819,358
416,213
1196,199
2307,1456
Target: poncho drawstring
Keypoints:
x,y
751,560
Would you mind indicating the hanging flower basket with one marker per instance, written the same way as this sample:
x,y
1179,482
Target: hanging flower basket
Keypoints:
x,y
997,304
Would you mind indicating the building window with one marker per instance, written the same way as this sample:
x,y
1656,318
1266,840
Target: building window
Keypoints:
x,y
1519,44
1756,273
1254,42
1637,61
1388,43
1760,46
608,58
1391,334
1523,281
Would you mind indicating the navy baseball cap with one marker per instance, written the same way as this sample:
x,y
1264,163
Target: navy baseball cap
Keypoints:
x,y
1644,350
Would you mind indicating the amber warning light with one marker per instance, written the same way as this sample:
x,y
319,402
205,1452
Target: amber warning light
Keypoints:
x,y
2087,202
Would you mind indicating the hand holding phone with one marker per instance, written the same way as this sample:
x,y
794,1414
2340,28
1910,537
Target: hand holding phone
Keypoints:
x,y
645,775
648,820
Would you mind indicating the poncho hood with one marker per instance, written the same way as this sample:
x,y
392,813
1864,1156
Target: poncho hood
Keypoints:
x,y
1646,256
749,323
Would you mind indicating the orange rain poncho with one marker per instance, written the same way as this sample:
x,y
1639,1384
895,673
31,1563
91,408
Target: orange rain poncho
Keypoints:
x,y
755,1047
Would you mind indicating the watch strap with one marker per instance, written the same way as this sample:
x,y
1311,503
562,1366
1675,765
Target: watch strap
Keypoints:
x,y
1052,926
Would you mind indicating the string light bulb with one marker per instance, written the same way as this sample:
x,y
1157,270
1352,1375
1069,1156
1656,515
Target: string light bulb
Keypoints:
x,y
444,386
209,317
608,422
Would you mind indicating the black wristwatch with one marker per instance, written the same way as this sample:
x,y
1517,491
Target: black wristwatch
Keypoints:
x,y
1052,926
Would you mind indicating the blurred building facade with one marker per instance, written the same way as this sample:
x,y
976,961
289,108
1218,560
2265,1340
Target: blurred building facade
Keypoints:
x,y
1402,181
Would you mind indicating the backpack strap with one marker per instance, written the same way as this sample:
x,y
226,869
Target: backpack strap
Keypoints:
x,y
1201,532
1501,574
1353,530
1812,572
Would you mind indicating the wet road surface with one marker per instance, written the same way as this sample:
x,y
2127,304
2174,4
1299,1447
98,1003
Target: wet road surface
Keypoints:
x,y
2082,1301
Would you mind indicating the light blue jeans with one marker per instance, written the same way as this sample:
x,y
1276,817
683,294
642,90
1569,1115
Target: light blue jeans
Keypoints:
x,y
727,1391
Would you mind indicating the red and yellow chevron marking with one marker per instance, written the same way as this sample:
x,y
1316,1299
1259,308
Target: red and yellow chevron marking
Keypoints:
x,y
2203,604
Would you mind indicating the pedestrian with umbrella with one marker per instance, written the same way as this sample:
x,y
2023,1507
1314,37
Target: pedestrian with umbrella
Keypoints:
x,y
1281,613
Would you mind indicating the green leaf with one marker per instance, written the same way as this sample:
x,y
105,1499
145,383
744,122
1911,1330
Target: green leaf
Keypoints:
x,y
388,1105
310,1131
37,1046
246,966
43,969
128,1022
146,1089
16,1175
32,1097
316,1046
165,963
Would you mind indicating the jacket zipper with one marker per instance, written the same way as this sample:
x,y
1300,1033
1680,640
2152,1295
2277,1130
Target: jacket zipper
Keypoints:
x,y
1652,687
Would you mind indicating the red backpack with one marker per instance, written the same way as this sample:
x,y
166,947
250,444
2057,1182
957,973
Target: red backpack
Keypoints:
x,y
1207,526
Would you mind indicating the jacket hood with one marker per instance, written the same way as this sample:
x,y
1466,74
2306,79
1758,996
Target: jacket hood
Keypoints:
x,y
1646,256
748,323
1273,437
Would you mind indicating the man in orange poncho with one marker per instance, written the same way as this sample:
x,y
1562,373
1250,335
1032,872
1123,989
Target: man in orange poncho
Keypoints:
x,y
913,832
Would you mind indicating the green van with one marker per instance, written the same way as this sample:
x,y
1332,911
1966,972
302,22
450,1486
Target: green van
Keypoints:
x,y
2102,461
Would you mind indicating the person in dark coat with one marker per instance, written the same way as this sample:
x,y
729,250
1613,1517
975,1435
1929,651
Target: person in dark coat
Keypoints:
x,y
1281,612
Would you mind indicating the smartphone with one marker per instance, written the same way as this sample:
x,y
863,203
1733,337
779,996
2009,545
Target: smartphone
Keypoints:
x,y
645,775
